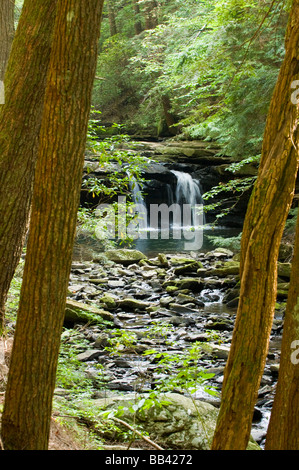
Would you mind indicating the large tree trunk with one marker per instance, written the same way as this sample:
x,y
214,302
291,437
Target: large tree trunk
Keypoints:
x,y
262,232
283,431
20,119
31,381
6,32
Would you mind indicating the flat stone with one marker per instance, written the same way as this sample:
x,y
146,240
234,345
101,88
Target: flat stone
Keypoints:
x,y
88,355
116,283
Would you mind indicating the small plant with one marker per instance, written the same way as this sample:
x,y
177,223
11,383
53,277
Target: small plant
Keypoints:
x,y
116,154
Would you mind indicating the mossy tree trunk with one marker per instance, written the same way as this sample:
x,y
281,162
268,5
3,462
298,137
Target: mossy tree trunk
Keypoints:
x,y
283,430
6,32
20,120
264,223
31,381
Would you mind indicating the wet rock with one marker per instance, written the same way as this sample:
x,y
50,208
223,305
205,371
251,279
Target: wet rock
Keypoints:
x,y
182,309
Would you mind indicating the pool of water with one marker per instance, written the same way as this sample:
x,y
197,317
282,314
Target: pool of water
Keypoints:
x,y
86,247
151,246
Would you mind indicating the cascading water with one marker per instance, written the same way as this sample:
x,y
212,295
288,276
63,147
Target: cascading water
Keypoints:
x,y
188,192
139,202
171,216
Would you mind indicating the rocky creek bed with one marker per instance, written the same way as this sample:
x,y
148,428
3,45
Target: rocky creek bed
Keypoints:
x,y
196,295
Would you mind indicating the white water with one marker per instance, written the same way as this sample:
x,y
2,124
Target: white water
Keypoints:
x,y
188,192
186,203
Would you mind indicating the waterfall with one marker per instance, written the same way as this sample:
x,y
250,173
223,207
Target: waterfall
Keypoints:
x,y
188,192
139,202
172,214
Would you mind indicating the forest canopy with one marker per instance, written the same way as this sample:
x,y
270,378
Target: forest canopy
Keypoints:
x,y
209,66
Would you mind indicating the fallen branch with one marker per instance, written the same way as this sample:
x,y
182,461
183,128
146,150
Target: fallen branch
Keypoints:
x,y
149,441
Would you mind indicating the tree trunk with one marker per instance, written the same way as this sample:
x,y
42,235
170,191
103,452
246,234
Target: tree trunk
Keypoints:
x,y
31,381
137,23
111,17
20,119
170,119
150,14
6,32
262,232
283,430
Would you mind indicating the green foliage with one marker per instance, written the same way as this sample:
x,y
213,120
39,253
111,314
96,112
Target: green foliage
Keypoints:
x,y
70,371
233,243
123,166
217,62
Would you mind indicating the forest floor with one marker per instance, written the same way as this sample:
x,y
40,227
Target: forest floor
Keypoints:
x,y
65,437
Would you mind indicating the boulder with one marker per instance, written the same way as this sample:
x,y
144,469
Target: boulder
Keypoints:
x,y
173,420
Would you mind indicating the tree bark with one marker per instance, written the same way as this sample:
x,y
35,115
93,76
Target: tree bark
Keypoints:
x,y
150,14
265,219
6,32
137,23
111,18
20,119
283,430
31,380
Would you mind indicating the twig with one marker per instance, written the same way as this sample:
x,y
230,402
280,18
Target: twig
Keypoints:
x,y
149,441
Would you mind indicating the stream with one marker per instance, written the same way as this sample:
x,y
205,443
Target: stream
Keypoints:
x,y
169,300
142,301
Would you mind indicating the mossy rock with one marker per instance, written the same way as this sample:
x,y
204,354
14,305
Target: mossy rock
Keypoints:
x,y
78,312
193,284
125,256
173,420
230,268
188,268
284,270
